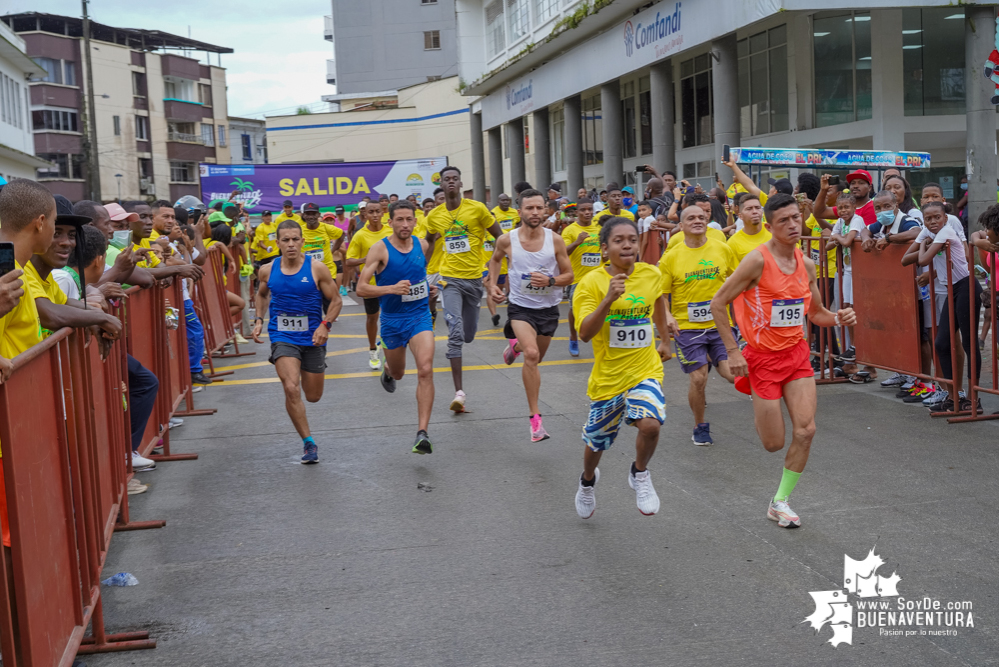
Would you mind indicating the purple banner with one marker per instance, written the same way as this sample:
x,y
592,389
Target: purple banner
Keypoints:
x,y
265,187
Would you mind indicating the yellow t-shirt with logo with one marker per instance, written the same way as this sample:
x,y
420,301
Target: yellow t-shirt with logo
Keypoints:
x,y
813,229
693,276
265,241
316,243
361,243
589,247
21,328
465,227
625,213
507,219
282,217
618,369
741,242
153,260
712,233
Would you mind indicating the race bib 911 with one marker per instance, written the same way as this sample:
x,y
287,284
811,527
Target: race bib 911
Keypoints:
x,y
293,323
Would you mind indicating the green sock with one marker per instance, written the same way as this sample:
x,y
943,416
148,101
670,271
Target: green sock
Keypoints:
x,y
788,480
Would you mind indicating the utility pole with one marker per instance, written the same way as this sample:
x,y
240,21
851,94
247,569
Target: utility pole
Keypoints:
x,y
89,118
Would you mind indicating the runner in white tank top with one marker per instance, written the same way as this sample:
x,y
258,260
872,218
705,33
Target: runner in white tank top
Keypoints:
x,y
539,268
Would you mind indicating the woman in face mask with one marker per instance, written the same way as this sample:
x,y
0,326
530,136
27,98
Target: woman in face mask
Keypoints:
x,y
903,196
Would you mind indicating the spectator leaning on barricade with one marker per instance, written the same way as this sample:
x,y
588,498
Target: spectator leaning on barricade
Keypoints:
x,y
987,242
928,247
808,191
190,249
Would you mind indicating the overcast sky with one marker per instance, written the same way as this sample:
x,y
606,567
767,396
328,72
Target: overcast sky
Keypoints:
x,y
280,53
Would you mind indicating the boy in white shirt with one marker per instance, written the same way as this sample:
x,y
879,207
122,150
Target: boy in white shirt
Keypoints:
x,y
845,231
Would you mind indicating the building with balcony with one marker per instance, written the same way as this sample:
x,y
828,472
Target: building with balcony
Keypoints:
x,y
157,112
17,147
248,137
583,92
390,44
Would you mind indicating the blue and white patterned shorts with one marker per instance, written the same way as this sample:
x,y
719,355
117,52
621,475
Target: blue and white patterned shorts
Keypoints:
x,y
644,400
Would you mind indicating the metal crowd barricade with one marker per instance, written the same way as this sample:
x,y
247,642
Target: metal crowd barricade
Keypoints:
x,y
212,306
62,426
974,388
811,245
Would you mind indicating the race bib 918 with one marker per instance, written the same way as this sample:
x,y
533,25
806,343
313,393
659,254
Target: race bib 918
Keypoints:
x,y
699,311
418,291
590,259
293,323
316,255
631,333
456,244
787,313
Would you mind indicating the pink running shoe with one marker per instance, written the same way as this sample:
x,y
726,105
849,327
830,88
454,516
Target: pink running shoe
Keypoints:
x,y
538,432
510,354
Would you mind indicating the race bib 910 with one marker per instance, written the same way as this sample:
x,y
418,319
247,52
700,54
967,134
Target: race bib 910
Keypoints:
x,y
456,244
631,333
699,312
418,291
293,323
787,313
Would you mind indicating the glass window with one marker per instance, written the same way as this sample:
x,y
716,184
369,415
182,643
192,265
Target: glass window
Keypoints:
x,y
695,101
57,120
763,82
182,172
842,56
431,40
207,134
222,135
544,10
116,121
142,128
558,139
495,37
53,69
205,94
645,115
138,84
178,89
518,19
527,135
247,147
593,134
933,68
66,165
69,72
628,119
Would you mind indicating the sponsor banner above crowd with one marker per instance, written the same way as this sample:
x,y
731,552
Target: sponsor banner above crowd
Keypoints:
x,y
265,187
839,159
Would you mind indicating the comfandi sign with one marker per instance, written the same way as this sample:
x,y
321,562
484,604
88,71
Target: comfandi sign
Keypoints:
x,y
266,186
662,34
664,30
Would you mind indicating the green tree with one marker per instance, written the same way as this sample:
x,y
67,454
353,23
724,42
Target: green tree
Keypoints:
x,y
303,111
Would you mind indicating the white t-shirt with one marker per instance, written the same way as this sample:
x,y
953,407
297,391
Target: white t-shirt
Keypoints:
x,y
645,223
916,214
598,206
185,281
842,228
66,283
959,261
739,224
714,225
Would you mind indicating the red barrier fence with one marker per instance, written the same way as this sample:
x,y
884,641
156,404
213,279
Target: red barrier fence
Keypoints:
x,y
212,306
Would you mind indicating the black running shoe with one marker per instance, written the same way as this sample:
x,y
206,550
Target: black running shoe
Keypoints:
x,y
423,444
200,378
496,319
964,405
388,382
849,356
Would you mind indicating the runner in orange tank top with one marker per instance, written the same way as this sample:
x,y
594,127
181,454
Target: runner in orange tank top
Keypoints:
x,y
774,290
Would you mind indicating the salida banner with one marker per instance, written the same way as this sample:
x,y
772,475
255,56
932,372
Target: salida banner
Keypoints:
x,y
265,187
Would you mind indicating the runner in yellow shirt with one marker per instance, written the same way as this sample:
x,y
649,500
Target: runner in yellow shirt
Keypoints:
x,y
692,273
463,224
373,232
320,240
288,213
752,233
615,205
264,244
616,306
507,217
582,242
437,256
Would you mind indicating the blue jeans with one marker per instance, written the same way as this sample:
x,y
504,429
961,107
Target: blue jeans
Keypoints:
x,y
195,337
142,389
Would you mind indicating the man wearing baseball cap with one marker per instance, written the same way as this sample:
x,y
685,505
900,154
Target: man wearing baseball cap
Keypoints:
x,y
860,184
780,186
320,240
288,213
264,245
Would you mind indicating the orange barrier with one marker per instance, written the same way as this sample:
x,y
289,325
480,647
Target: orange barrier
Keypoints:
x,y
816,247
974,388
212,305
65,444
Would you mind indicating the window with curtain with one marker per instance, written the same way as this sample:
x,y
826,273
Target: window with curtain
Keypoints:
x,y
495,35
933,68
628,127
763,78
557,117
695,101
645,115
842,57
593,137
518,19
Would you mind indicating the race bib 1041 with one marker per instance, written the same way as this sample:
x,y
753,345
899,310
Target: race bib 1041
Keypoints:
x,y
590,259
787,313
631,333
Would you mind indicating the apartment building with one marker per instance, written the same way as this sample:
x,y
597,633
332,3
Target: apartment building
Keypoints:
x,y
158,111
17,148
248,138
604,87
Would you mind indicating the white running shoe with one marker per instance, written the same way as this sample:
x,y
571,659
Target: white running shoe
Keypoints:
x,y
458,404
645,494
240,340
586,502
175,422
374,360
141,463
782,513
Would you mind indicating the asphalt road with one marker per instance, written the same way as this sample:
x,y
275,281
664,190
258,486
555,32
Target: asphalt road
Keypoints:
x,y
268,562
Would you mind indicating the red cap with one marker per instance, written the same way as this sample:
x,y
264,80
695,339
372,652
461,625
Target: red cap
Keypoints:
x,y
742,384
860,173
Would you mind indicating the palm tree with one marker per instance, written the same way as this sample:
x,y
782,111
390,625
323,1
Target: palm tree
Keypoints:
x,y
241,185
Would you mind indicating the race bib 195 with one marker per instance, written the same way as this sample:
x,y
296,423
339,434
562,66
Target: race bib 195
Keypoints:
x,y
631,333
699,311
418,291
787,313
456,244
293,323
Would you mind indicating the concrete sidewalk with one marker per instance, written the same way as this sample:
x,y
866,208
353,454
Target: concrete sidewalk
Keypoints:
x,y
267,562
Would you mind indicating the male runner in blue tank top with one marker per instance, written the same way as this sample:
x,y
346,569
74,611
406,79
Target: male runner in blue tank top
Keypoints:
x,y
399,266
293,286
